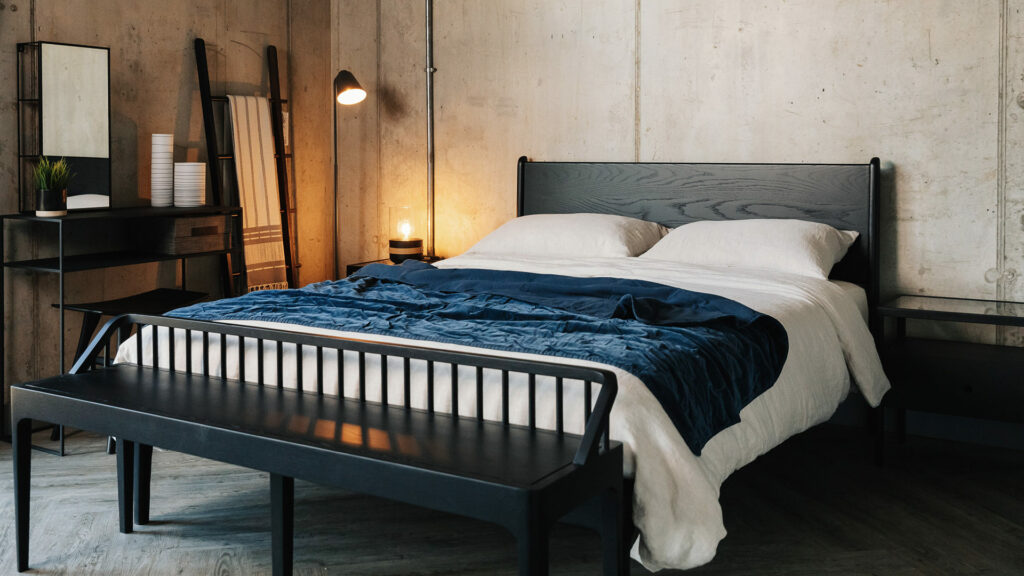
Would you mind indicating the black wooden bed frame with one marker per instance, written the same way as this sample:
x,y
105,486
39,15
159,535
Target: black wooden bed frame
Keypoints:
x,y
522,477
844,196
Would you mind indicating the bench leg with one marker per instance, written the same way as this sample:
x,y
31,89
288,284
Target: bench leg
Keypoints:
x,y
282,520
22,443
532,539
143,474
616,554
125,477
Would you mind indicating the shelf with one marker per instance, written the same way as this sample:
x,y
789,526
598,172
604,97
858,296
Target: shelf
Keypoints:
x,y
123,213
993,312
154,302
81,262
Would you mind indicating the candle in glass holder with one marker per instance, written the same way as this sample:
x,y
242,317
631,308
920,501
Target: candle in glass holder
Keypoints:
x,y
402,245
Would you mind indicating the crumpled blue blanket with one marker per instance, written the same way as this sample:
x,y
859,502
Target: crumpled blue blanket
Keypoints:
x,y
703,357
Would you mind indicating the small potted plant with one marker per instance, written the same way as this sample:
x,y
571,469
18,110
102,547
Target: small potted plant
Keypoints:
x,y
52,187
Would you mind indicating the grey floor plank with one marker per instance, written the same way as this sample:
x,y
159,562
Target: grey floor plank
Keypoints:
x,y
815,505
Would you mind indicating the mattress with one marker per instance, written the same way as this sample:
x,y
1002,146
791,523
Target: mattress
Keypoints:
x,y
676,504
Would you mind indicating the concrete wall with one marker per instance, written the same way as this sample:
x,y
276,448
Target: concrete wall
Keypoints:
x,y
310,75
929,86
154,89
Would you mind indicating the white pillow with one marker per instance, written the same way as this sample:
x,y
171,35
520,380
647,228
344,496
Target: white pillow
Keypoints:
x,y
571,235
795,246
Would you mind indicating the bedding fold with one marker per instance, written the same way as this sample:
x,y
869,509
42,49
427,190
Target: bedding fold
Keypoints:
x,y
703,357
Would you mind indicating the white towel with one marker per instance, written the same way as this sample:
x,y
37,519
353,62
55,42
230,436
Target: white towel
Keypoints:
x,y
258,193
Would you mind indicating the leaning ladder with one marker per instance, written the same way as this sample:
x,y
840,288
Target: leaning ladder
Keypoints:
x,y
234,270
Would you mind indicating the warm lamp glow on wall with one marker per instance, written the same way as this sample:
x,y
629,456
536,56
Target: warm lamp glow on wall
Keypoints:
x,y
402,243
347,91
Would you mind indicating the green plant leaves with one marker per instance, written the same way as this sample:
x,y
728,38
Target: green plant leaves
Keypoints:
x,y
50,175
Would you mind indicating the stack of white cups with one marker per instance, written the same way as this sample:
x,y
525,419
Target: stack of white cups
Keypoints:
x,y
189,183
162,175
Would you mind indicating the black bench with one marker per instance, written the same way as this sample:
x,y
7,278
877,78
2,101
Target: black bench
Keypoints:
x,y
521,477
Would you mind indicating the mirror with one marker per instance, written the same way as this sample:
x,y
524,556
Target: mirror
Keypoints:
x,y
65,113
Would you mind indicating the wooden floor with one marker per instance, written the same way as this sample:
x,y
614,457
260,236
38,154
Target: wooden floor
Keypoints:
x,y
813,506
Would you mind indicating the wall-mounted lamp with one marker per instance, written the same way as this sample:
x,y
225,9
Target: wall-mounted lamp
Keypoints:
x,y
347,91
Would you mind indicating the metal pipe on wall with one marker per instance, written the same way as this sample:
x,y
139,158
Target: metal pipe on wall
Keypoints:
x,y
430,126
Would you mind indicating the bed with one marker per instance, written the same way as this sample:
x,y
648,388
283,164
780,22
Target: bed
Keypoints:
x,y
675,505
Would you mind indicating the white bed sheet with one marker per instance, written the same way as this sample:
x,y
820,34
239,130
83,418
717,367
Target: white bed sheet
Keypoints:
x,y
676,493
855,294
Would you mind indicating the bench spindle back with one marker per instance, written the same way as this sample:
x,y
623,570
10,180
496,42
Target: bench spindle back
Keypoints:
x,y
473,366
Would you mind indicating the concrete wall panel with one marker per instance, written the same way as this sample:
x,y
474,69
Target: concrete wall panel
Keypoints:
x,y
915,83
403,128
355,48
928,86
310,65
551,80
1011,207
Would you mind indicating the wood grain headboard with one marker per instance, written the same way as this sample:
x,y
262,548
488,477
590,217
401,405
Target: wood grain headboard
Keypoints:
x,y
842,195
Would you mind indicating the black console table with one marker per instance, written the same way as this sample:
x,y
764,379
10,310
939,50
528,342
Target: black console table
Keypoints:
x,y
953,377
140,243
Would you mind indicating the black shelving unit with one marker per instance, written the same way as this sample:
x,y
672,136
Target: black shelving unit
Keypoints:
x,y
62,264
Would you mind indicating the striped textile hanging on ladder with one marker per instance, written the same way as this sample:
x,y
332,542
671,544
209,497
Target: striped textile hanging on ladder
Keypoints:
x,y
258,193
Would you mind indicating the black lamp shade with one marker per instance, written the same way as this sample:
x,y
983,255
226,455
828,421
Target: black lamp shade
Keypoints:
x,y
347,89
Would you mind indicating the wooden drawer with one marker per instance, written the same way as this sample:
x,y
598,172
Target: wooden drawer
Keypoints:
x,y
186,235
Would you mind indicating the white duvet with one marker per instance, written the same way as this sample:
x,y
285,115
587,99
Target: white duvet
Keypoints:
x,y
676,493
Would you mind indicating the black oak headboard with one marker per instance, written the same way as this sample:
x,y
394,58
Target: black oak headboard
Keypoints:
x,y
842,195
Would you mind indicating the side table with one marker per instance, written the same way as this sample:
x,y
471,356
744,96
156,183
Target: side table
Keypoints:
x,y
952,377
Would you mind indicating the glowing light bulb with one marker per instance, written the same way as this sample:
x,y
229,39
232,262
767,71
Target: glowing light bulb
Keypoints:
x,y
352,96
405,229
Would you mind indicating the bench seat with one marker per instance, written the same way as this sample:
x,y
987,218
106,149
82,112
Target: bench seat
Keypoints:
x,y
485,450
522,478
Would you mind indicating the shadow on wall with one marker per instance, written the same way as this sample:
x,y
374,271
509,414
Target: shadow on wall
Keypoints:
x,y
126,186
392,106
187,86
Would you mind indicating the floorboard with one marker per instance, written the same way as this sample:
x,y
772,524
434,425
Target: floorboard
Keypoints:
x,y
813,506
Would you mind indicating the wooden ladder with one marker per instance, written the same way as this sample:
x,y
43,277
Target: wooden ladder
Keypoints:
x,y
234,280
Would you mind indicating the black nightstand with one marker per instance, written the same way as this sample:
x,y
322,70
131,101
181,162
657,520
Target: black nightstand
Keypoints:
x,y
949,377
353,268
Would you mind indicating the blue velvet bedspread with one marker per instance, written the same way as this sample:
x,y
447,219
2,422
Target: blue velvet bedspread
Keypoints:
x,y
703,357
